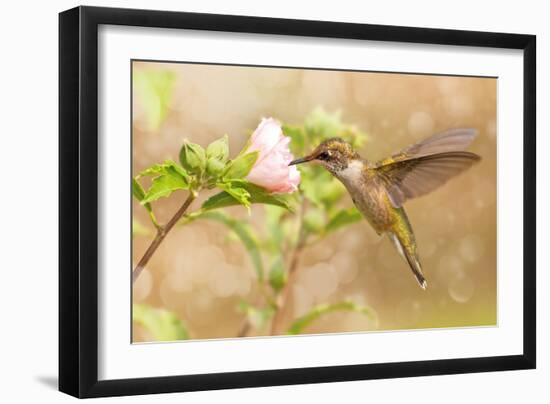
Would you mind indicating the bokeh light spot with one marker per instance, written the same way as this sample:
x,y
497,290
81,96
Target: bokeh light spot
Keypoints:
x,y
461,289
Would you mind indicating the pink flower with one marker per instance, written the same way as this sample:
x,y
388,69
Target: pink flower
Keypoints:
x,y
271,170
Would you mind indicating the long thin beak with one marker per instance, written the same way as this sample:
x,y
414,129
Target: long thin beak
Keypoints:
x,y
301,160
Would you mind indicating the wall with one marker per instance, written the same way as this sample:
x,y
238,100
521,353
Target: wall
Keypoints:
x,y
29,204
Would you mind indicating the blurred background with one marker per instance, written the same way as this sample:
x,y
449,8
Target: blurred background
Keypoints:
x,y
202,283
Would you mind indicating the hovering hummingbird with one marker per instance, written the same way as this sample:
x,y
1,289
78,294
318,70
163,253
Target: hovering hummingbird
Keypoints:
x,y
379,189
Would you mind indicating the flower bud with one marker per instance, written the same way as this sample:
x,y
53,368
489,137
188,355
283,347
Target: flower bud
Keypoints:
x,y
217,154
218,149
214,167
193,158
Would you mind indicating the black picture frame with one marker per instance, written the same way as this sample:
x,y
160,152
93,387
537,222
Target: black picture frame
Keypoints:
x,y
78,200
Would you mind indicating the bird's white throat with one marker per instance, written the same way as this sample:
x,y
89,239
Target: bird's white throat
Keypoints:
x,y
352,173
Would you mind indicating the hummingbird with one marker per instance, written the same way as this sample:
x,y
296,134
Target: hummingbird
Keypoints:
x,y
379,189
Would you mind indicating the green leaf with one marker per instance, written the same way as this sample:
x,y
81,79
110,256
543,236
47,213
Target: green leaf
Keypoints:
x,y
164,325
257,195
169,178
139,194
330,190
154,170
163,186
237,192
353,135
320,125
193,158
314,220
313,180
137,190
274,234
245,234
343,218
241,166
297,136
309,189
277,274
154,89
320,188
298,326
258,316
164,168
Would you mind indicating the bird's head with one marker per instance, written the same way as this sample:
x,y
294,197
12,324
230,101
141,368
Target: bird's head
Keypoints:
x,y
334,154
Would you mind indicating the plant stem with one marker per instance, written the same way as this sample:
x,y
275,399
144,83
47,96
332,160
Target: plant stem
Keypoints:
x,y
267,299
162,231
293,265
245,327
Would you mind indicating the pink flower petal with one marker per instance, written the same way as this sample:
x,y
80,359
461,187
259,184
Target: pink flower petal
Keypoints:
x,y
265,137
271,170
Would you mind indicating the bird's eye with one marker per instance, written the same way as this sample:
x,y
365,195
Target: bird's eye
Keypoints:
x,y
324,156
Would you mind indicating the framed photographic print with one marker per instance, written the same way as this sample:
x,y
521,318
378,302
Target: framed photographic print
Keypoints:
x,y
251,201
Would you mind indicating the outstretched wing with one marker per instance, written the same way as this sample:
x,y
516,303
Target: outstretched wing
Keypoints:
x,y
448,141
426,165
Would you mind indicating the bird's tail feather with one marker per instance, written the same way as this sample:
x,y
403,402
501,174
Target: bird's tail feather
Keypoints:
x,y
411,257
